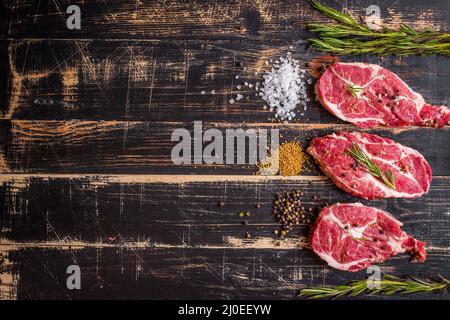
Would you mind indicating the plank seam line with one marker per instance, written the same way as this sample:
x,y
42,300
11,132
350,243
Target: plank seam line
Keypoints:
x,y
165,178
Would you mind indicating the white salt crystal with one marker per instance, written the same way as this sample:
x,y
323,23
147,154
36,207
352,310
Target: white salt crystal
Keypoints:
x,y
237,77
231,101
203,92
239,97
284,88
239,87
213,92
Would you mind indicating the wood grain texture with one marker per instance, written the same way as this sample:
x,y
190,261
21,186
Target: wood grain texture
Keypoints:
x,y
214,19
129,237
124,273
85,171
145,147
99,209
169,80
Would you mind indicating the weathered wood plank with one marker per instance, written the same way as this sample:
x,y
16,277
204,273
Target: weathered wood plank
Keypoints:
x,y
214,19
170,240
109,211
164,80
102,147
185,273
142,66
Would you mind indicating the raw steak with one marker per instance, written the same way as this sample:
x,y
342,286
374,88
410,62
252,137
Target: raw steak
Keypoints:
x,y
351,236
384,99
411,172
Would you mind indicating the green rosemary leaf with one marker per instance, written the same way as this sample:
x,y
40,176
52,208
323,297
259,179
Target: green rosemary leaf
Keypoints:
x,y
340,17
324,46
363,159
388,286
354,90
408,30
351,37
389,176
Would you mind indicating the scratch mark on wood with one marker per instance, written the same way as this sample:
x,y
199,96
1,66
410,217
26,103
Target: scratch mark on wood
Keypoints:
x,y
230,243
4,167
9,245
9,281
104,179
267,243
17,84
152,84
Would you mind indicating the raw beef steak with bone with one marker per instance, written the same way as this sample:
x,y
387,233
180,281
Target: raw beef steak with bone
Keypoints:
x,y
411,173
369,95
351,236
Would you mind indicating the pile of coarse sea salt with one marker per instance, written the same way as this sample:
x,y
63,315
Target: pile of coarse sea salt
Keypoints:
x,y
284,88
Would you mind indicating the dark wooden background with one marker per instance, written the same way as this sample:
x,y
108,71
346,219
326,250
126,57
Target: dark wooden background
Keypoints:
x,y
85,171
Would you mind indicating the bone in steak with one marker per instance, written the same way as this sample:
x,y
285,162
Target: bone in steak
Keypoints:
x,y
351,236
379,97
412,173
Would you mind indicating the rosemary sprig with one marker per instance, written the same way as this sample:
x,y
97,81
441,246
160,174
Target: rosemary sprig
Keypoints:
x,y
344,19
354,90
363,159
351,37
388,286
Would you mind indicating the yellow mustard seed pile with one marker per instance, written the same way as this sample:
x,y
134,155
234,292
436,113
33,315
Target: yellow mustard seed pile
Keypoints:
x,y
291,158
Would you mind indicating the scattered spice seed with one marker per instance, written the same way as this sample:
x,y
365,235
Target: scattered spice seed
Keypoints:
x,y
291,158
288,211
220,204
